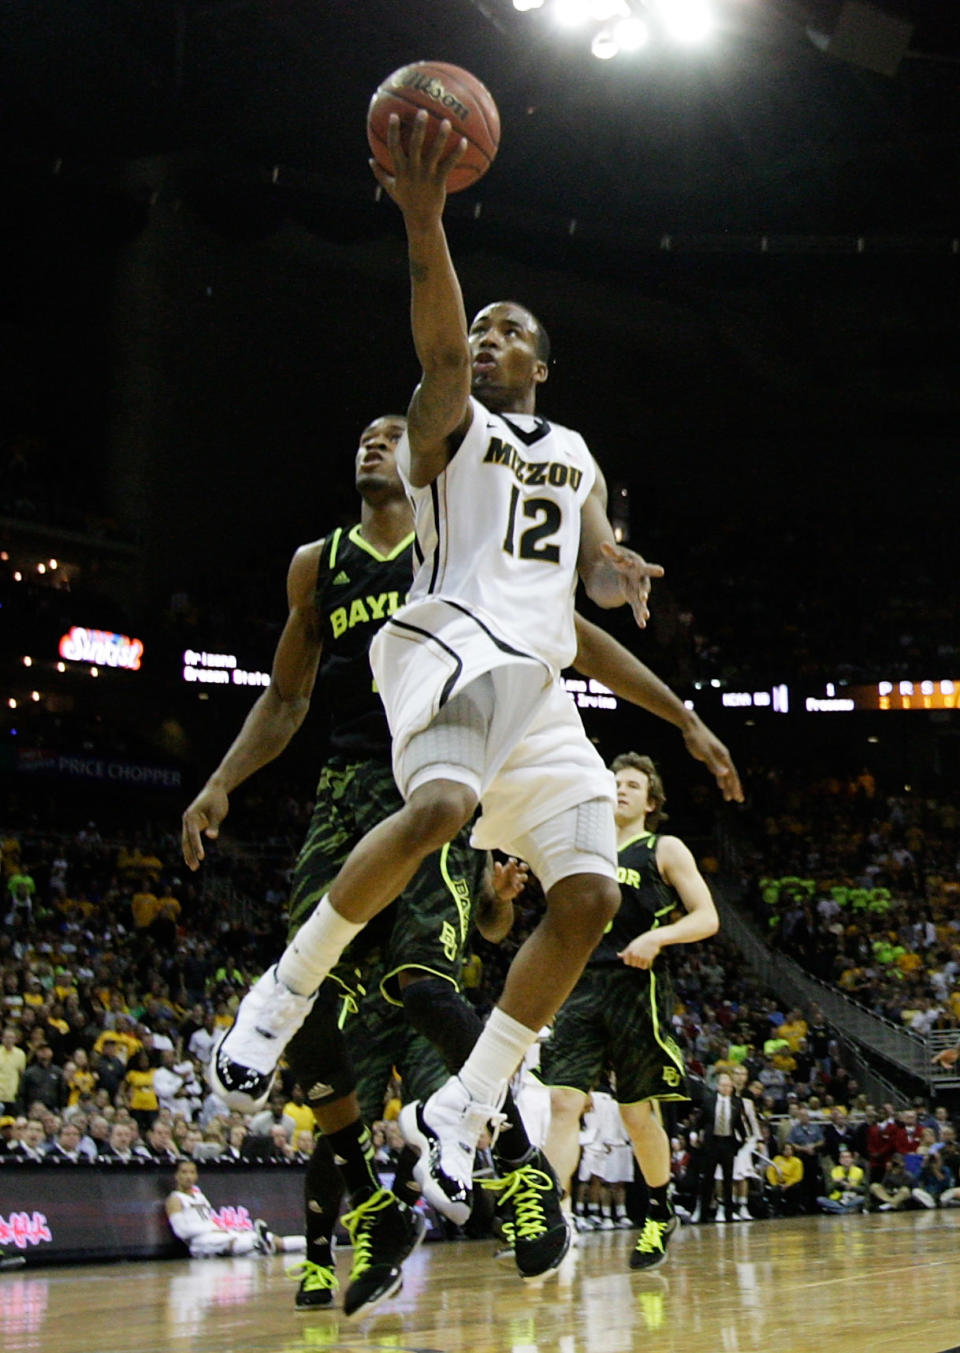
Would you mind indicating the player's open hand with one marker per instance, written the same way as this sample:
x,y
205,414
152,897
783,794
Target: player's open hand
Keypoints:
x,y
706,747
510,878
947,1058
202,818
636,576
418,183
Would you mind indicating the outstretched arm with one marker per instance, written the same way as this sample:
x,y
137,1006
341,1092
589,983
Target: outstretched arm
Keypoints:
x,y
440,408
599,655
678,868
276,715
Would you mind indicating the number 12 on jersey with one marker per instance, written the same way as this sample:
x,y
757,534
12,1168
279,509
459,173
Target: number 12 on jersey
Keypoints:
x,y
534,541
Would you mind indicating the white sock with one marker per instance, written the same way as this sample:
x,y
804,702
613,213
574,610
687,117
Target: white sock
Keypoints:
x,y
291,1244
315,948
496,1055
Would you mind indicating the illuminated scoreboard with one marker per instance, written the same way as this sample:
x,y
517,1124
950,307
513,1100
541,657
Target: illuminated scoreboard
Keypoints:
x,y
908,695
883,695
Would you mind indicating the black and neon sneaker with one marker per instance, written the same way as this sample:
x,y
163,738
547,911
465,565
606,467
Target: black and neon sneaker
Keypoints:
x,y
651,1249
383,1232
317,1285
507,1242
530,1203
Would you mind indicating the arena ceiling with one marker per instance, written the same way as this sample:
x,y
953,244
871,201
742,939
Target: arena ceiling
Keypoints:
x,y
758,130
753,240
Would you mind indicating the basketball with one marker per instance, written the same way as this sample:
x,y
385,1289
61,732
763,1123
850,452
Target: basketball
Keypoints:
x,y
446,92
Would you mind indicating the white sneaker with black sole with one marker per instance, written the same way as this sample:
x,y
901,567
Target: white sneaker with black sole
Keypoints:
x,y
445,1129
244,1062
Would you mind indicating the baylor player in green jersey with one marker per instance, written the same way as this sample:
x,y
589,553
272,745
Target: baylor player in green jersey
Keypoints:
x,y
618,1016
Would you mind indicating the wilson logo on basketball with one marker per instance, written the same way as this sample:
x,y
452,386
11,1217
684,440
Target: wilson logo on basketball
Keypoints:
x,y
427,84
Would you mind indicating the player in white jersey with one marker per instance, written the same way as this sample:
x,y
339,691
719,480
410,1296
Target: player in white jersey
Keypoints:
x,y
511,511
193,1220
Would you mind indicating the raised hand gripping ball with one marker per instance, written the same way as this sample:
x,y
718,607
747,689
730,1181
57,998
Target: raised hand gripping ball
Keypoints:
x,y
446,92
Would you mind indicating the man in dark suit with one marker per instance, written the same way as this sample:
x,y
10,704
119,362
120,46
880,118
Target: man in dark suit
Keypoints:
x,y
722,1133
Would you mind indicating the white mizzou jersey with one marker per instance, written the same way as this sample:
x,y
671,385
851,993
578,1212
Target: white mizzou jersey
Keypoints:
x,y
499,530
195,1217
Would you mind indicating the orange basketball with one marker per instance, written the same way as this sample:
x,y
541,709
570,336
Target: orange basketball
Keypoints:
x,y
446,92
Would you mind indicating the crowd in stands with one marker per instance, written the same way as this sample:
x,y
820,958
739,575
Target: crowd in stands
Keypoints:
x,y
822,1145
116,976
862,889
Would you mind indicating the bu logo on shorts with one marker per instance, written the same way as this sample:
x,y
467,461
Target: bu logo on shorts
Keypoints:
x,y
671,1075
449,941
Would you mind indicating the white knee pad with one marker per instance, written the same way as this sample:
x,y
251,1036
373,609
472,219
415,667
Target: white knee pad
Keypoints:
x,y
580,840
454,745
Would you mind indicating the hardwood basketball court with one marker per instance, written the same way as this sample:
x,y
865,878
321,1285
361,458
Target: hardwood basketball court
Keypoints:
x,y
860,1284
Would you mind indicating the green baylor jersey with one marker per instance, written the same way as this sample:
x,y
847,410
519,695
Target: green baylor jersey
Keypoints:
x,y
357,589
646,900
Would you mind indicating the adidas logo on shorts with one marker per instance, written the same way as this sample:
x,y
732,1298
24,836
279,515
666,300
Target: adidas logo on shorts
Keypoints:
x,y
341,578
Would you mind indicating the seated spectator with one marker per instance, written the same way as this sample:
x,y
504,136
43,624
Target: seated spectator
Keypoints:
x,y
892,1193
935,1181
274,1114
31,1149
213,1107
784,1181
159,1143
282,1146
119,1147
908,1134
303,1144
847,1184
66,1147
214,1140
9,1142
232,1152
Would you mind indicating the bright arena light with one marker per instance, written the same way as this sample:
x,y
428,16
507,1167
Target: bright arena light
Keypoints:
x,y
603,10
631,34
686,20
571,13
604,46
623,26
